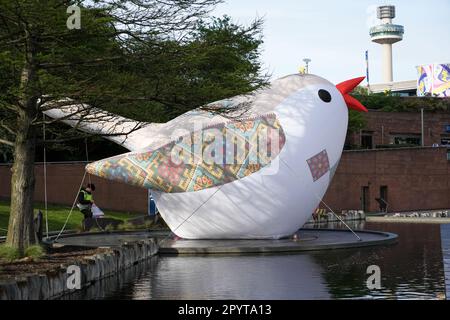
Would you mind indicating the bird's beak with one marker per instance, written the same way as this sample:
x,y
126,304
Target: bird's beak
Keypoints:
x,y
345,88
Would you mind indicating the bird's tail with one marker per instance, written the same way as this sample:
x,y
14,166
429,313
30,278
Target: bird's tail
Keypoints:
x,y
128,133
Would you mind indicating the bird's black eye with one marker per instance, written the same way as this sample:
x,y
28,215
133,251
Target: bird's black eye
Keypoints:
x,y
324,95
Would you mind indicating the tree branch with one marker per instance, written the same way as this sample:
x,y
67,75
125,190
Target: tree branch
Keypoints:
x,y
7,128
83,135
8,143
69,64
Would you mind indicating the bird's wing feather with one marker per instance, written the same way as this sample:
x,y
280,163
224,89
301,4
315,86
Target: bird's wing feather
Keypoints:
x,y
129,133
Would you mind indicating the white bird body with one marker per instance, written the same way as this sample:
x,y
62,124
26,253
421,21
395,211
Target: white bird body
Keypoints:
x,y
271,198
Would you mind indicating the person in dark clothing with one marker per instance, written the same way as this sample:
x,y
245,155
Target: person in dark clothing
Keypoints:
x,y
86,200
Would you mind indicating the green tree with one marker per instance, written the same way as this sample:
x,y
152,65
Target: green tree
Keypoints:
x,y
356,120
148,60
218,59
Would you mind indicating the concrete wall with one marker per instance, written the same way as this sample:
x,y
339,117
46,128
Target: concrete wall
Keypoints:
x,y
417,178
63,181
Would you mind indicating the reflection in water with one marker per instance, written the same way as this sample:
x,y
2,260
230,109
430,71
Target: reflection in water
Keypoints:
x,y
118,284
354,224
412,268
267,277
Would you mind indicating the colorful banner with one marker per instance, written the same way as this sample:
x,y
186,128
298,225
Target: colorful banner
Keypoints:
x,y
433,80
441,80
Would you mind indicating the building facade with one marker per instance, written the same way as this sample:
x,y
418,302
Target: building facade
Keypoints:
x,y
406,178
396,129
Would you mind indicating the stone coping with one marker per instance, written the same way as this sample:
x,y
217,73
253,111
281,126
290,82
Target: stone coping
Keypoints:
x,y
53,284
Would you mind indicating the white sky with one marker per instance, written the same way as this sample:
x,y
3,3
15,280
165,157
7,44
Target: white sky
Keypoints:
x,y
334,34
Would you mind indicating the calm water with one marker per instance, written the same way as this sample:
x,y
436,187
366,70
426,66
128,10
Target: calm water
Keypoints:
x,y
410,269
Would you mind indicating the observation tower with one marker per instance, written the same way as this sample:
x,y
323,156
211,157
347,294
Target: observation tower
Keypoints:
x,y
386,34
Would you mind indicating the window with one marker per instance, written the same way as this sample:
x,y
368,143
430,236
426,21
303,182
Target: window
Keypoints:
x,y
382,200
445,141
407,139
384,193
366,141
365,198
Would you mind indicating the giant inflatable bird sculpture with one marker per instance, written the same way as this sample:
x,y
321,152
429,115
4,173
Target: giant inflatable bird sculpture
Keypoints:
x,y
253,166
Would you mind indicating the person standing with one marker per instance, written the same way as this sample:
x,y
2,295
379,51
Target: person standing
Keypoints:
x,y
86,200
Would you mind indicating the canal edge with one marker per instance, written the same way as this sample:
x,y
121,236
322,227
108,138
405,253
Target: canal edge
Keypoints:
x,y
445,245
93,268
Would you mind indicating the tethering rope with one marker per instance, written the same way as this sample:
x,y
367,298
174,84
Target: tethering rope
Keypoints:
x,y
45,179
194,212
45,187
71,209
321,200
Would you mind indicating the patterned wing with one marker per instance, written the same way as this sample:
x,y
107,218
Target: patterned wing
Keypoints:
x,y
202,159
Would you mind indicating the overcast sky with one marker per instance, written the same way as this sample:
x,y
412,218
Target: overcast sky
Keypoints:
x,y
334,34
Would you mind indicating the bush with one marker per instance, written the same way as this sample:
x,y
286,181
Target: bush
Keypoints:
x,y
110,228
35,252
403,104
126,226
148,224
9,253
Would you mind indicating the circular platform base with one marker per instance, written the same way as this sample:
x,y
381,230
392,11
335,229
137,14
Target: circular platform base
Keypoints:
x,y
303,240
107,239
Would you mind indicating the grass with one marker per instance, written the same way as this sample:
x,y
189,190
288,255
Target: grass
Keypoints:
x,y
35,252
130,226
8,253
57,215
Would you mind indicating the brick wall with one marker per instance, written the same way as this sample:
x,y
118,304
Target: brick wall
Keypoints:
x,y
63,181
417,178
384,125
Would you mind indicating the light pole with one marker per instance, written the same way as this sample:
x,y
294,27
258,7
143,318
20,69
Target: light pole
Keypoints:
x,y
422,127
307,61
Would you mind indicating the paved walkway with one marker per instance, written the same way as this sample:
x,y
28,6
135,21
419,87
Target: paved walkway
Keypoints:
x,y
409,219
445,238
